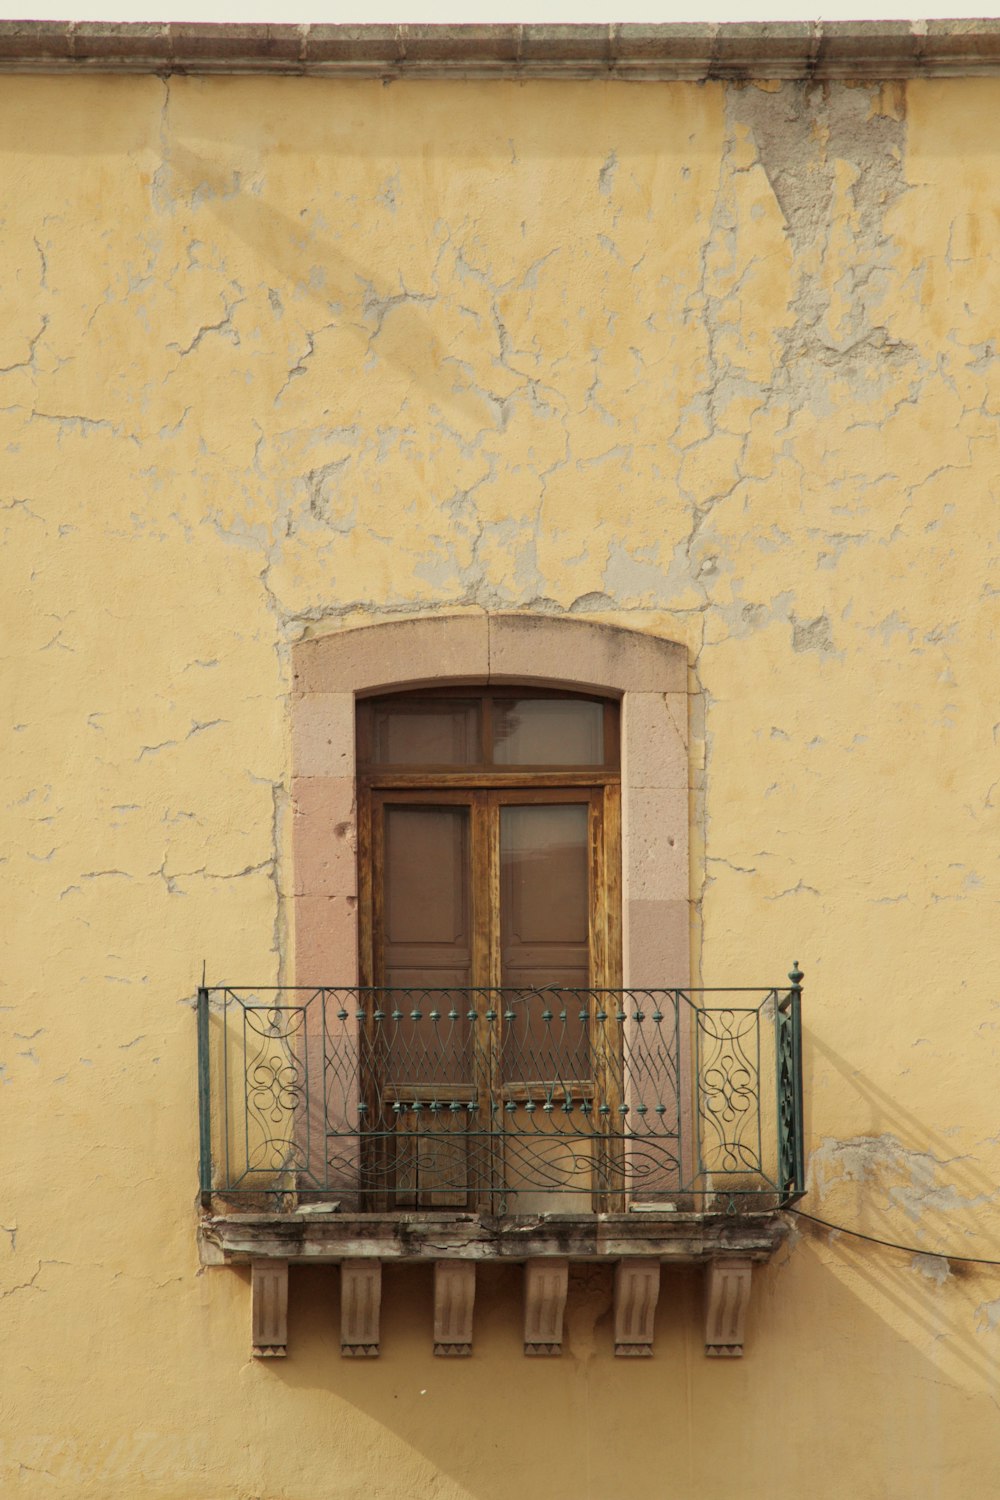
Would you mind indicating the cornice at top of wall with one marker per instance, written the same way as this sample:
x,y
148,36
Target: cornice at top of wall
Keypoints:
x,y
850,50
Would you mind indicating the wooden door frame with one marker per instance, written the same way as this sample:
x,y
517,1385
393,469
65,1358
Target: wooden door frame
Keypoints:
x,y
485,801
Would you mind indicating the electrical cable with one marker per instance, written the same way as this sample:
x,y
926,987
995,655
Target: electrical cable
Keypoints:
x,y
858,1234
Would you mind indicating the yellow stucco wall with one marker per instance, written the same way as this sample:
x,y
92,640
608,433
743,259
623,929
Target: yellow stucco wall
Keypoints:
x,y
278,356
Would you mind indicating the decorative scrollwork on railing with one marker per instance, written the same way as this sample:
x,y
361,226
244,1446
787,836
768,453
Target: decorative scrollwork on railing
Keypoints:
x,y
512,1097
728,1090
275,1084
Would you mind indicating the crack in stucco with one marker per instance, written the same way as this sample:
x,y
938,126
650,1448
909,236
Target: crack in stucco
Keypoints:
x,y
28,363
224,325
27,1286
476,538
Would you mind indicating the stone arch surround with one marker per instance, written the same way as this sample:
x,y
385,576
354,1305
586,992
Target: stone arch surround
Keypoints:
x,y
648,674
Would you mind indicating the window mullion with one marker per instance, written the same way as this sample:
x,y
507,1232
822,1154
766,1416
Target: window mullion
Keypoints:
x,y
485,905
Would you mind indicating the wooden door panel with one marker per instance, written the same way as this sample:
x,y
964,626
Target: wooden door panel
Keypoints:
x,y
424,946
427,896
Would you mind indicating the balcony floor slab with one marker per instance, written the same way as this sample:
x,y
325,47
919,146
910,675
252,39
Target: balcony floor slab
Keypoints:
x,y
671,1238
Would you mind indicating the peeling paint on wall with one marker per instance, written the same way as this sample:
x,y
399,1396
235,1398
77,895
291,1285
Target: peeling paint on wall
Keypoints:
x,y
717,362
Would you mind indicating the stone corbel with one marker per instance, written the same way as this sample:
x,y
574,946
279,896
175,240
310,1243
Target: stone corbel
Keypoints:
x,y
637,1289
360,1308
727,1296
269,1308
454,1297
546,1282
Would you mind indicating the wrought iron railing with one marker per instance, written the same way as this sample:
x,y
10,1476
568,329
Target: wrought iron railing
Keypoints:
x,y
509,1101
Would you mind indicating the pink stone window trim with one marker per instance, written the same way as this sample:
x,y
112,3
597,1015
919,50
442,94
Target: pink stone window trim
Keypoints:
x,y
648,674
331,672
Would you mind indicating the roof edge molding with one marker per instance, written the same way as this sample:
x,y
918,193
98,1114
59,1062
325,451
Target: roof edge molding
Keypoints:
x,y
850,50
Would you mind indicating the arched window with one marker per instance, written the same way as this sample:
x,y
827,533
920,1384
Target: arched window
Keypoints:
x,y
516,789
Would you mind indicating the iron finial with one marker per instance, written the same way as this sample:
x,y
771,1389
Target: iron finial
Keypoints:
x,y
795,973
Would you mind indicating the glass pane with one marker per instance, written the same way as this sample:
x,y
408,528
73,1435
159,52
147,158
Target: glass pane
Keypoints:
x,y
426,944
544,938
426,733
548,732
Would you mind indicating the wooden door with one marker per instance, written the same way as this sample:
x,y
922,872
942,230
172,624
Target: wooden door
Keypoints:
x,y
488,921
486,938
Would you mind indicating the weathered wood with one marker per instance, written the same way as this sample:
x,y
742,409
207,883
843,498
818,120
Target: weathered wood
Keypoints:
x,y
386,779
486,905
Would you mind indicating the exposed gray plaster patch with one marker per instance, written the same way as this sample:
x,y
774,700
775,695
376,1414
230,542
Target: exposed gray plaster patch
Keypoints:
x,y
812,635
988,1316
801,133
389,192
934,1267
632,574
915,1181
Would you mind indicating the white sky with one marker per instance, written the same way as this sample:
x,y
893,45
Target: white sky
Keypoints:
x,y
487,10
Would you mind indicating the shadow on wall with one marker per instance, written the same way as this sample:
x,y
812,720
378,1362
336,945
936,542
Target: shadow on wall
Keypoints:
x,y
866,1371
902,1181
845,1374
899,1179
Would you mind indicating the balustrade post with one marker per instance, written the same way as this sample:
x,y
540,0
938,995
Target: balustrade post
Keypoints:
x,y
791,1148
204,1102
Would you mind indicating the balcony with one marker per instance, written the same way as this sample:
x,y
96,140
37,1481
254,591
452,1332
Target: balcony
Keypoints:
x,y
365,1126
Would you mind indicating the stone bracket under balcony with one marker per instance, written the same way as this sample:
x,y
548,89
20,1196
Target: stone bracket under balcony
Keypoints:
x,y
639,1245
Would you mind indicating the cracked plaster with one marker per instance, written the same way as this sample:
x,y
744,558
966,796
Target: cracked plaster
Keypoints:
x,y
716,362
